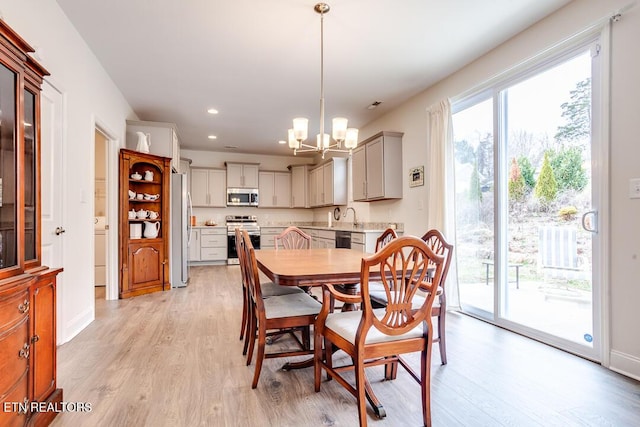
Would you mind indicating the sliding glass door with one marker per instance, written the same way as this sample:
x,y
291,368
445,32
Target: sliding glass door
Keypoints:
x,y
525,216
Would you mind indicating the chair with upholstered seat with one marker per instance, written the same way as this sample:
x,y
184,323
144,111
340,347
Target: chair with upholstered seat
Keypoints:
x,y
268,289
290,312
374,337
436,241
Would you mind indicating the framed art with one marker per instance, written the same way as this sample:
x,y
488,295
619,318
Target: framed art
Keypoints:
x,y
416,176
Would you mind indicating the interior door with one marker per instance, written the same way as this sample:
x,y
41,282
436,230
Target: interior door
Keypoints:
x,y
52,125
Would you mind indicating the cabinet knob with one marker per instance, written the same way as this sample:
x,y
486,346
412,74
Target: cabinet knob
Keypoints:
x,y
24,351
24,307
35,339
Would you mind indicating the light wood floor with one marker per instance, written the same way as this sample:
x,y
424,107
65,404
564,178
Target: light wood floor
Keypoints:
x,y
174,359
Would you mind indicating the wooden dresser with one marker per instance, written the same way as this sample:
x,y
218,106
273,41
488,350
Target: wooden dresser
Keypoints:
x,y
27,288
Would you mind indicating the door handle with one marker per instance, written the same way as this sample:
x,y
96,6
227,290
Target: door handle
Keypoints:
x,y
59,231
588,224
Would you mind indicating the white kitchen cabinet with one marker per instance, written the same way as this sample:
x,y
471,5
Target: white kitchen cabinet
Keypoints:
x,y
366,241
242,175
299,186
376,168
194,245
162,138
213,244
330,183
321,238
274,189
268,235
208,187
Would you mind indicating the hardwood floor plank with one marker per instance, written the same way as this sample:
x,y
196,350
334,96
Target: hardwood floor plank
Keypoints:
x,y
174,359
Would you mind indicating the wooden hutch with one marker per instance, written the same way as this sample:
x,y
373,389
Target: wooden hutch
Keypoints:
x,y
144,241
27,288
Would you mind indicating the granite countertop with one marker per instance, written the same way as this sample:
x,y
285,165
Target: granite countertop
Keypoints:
x,y
367,227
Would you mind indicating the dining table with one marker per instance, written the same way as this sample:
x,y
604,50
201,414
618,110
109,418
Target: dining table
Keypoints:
x,y
317,267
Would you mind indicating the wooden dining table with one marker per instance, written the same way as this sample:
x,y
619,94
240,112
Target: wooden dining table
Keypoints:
x,y
317,267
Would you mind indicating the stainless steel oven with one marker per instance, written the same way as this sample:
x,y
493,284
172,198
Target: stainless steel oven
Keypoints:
x,y
247,222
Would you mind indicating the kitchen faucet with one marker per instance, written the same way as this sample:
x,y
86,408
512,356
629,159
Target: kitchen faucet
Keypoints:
x,y
355,218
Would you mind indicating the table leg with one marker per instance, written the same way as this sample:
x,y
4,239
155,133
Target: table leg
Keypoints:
x,y
350,289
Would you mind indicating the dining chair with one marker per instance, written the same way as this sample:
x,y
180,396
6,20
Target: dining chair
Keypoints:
x,y
436,241
373,337
269,289
292,312
293,238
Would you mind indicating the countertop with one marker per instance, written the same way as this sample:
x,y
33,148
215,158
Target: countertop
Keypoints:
x,y
366,227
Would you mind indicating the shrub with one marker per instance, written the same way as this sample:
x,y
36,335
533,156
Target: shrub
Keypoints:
x,y
568,212
568,170
527,172
546,189
516,182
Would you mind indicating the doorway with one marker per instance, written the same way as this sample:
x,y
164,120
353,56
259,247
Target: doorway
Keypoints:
x,y
100,214
526,206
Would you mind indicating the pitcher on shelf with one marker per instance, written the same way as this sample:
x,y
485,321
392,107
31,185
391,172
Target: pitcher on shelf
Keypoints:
x,y
143,142
151,229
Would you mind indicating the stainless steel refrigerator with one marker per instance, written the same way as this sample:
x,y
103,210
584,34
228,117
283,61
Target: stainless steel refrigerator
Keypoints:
x,y
181,210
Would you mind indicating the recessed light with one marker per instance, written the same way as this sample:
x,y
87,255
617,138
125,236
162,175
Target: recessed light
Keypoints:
x,y
212,111
212,137
282,141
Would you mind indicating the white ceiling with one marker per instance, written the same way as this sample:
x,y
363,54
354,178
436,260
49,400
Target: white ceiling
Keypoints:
x,y
258,62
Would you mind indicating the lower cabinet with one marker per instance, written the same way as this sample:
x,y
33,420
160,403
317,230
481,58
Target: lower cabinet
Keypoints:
x,y
321,238
146,269
28,349
268,235
213,245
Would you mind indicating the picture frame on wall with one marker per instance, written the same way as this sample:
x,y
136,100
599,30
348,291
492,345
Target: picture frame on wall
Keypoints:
x,y
416,176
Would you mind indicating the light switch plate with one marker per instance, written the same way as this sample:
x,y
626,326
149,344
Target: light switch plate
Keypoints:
x,y
634,188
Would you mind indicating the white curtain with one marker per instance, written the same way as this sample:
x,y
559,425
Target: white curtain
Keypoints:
x,y
441,196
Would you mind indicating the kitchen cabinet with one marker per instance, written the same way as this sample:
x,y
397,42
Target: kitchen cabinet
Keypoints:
x,y
213,244
194,245
322,239
268,235
376,168
27,288
144,242
329,182
366,241
274,189
208,187
162,138
242,175
299,186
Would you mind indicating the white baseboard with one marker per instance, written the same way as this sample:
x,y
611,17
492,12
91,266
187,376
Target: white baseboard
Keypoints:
x,y
625,364
77,324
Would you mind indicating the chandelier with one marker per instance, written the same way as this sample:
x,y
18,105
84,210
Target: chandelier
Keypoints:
x,y
340,132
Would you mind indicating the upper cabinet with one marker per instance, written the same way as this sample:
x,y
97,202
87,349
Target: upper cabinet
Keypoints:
x,y
208,187
299,186
162,139
328,183
377,168
275,189
242,175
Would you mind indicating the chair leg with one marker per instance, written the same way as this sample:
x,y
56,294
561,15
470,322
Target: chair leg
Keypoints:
x,y
425,372
245,307
328,356
442,344
247,335
251,337
360,388
317,359
260,356
391,370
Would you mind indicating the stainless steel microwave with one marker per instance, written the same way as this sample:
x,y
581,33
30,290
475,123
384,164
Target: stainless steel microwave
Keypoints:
x,y
242,197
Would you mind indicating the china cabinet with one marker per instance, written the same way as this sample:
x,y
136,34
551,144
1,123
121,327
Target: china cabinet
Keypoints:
x,y
27,288
144,223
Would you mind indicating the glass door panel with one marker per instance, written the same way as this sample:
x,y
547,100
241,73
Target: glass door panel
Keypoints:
x,y
548,146
474,199
30,177
8,214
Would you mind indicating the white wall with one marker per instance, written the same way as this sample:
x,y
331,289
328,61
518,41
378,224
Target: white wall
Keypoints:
x,y
410,118
90,96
